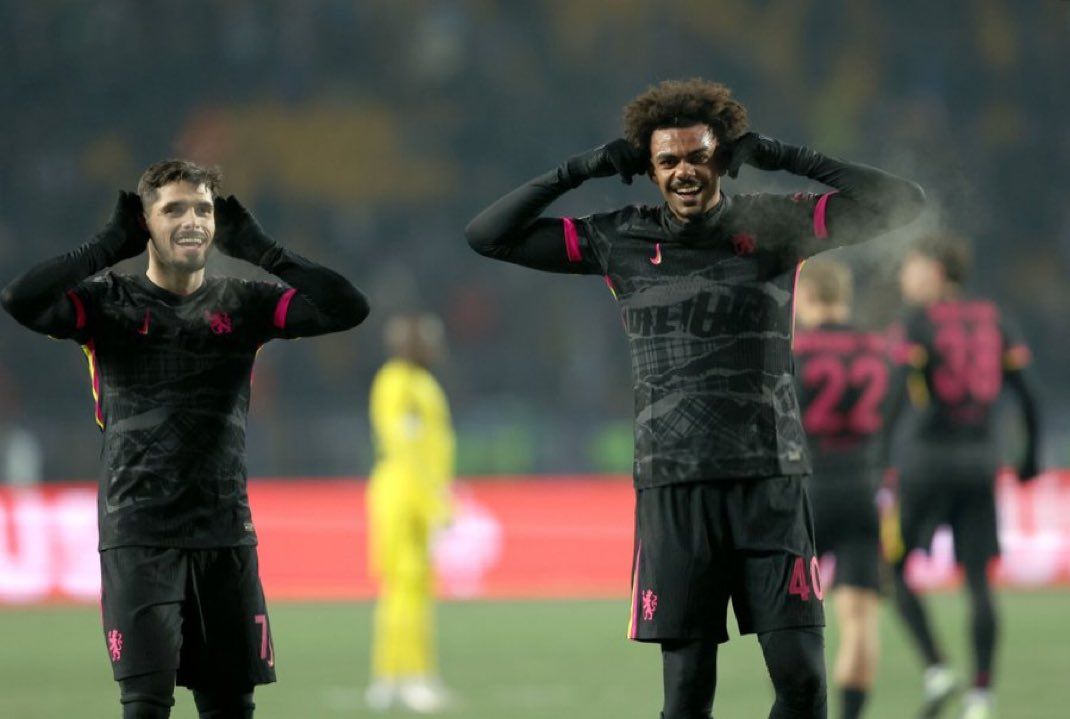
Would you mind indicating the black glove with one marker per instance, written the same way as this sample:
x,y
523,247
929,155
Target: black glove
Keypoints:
x,y
125,235
619,157
1028,470
753,149
237,233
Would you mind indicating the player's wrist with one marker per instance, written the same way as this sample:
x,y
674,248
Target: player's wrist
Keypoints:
x,y
618,157
570,174
758,151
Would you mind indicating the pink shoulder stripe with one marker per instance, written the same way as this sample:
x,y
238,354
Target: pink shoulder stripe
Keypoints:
x,y
821,230
79,309
572,240
283,307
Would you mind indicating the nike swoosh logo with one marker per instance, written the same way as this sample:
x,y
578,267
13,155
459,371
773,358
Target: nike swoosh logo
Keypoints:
x,y
656,259
145,327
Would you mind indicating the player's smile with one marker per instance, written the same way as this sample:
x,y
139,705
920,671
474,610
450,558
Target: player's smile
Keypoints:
x,y
191,238
687,191
195,239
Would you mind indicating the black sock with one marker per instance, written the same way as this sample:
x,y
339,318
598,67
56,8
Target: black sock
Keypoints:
x,y
795,659
913,614
148,696
853,701
690,674
983,624
224,704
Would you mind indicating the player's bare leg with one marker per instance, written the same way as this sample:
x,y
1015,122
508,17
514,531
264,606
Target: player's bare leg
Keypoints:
x,y
856,657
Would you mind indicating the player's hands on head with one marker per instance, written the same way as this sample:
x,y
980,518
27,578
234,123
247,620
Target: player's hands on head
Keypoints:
x,y
237,233
750,149
126,231
618,157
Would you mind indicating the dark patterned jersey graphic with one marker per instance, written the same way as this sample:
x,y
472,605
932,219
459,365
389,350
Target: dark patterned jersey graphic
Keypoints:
x,y
843,377
960,352
171,379
708,313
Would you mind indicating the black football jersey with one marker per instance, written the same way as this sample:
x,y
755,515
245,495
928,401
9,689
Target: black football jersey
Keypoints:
x,y
960,352
171,381
708,310
843,378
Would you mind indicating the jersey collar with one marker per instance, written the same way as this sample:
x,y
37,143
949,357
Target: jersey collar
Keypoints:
x,y
167,296
698,229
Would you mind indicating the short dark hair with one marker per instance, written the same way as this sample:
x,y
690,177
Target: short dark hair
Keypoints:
x,y
682,103
831,281
952,251
167,171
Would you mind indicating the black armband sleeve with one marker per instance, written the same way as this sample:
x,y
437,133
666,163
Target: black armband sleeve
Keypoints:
x,y
512,229
321,300
38,298
867,201
1021,382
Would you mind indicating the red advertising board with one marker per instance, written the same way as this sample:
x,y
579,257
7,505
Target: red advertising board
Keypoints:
x,y
512,538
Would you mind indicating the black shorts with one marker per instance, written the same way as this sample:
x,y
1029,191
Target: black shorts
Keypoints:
x,y
699,545
199,612
847,526
966,503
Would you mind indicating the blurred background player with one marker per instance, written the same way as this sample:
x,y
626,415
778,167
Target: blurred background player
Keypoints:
x,y
408,500
959,353
705,286
171,356
843,377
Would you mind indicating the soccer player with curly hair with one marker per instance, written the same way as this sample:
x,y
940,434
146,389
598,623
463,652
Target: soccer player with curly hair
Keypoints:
x,y
705,285
959,354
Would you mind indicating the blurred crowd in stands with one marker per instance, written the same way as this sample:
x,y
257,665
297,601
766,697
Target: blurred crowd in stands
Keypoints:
x,y
366,134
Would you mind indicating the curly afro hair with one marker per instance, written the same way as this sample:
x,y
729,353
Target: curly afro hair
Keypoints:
x,y
682,103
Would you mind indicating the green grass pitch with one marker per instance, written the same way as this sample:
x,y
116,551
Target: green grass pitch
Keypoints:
x,y
523,660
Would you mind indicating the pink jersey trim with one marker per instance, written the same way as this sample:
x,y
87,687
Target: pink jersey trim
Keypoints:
x,y
79,309
283,307
794,293
821,230
90,351
572,240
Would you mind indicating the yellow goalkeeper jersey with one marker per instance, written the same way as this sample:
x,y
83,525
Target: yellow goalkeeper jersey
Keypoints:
x,y
414,440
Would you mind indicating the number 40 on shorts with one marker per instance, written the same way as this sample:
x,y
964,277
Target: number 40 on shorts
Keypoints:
x,y
802,581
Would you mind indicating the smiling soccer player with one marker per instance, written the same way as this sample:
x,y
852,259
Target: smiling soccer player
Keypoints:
x,y
171,354
705,283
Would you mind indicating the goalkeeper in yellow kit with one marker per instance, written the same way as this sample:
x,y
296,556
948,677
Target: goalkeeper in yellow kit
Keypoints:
x,y
408,500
